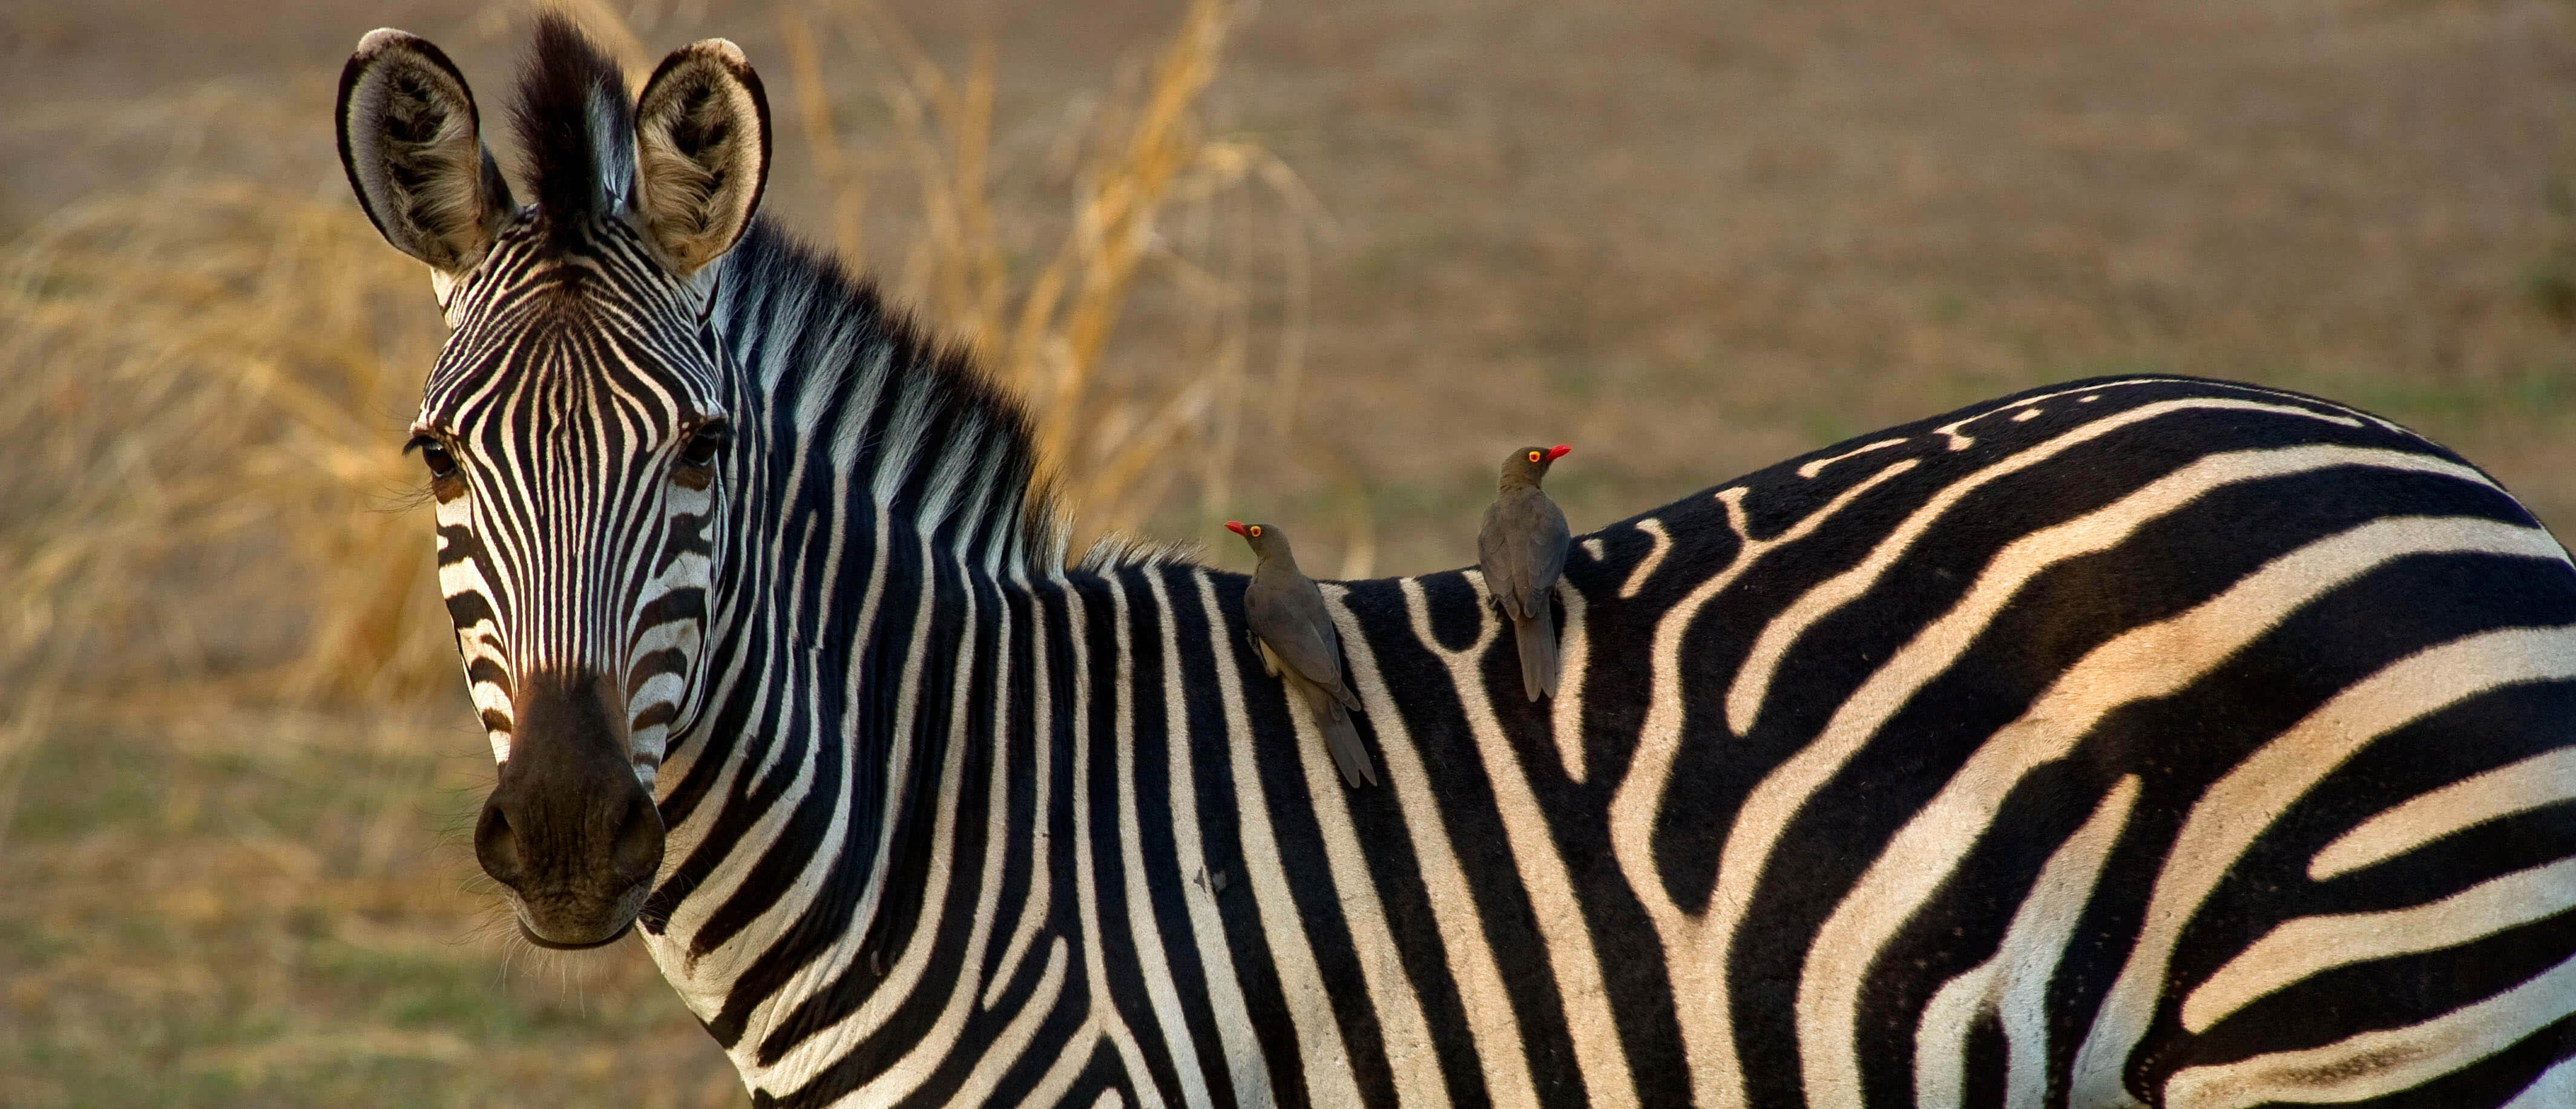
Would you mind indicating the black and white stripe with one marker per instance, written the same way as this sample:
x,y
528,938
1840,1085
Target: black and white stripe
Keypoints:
x,y
2004,763
2135,741
562,382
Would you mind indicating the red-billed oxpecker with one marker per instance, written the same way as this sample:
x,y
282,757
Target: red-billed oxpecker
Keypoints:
x,y
1299,646
1522,550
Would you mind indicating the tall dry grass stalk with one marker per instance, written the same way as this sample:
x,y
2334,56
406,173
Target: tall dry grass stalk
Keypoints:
x,y
1153,198
212,380
209,377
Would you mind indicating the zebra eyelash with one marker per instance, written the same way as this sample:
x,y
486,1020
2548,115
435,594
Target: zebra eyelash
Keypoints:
x,y
433,451
445,479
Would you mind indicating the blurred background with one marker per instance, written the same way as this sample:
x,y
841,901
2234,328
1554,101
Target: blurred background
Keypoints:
x,y
1319,263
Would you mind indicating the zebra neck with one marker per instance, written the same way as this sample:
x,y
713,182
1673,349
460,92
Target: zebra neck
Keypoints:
x,y
855,773
897,690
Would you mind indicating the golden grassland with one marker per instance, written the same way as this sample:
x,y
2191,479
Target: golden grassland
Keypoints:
x,y
235,768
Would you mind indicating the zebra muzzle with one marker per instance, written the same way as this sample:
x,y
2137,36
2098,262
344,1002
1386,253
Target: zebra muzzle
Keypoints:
x,y
569,832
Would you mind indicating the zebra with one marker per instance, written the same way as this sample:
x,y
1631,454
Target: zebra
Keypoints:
x,y
2142,740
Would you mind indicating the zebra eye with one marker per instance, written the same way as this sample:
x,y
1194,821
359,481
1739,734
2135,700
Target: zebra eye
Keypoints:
x,y
702,448
433,454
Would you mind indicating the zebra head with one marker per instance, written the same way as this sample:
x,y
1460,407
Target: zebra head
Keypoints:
x,y
575,427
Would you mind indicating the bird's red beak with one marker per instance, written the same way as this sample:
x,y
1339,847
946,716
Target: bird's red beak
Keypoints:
x,y
1235,526
1557,452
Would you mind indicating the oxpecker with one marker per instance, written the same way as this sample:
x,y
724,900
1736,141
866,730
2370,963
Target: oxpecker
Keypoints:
x,y
1299,645
1522,550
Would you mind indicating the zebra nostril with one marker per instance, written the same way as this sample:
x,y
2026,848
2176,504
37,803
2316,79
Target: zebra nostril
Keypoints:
x,y
638,851
496,846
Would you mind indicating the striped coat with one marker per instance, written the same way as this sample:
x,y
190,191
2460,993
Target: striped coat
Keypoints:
x,y
2132,741
2136,734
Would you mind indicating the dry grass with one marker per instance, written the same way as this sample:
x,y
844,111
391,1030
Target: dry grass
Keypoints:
x,y
254,907
1153,197
214,493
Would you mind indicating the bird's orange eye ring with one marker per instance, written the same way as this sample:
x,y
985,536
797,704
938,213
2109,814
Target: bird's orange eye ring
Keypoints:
x,y
1254,529
1534,455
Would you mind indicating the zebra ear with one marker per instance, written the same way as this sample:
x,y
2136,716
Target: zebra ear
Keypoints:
x,y
701,153
413,147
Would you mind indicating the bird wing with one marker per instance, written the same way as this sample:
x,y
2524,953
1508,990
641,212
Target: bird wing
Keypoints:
x,y
1522,550
1546,539
1300,632
1499,557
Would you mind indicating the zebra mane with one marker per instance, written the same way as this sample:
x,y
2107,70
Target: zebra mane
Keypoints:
x,y
919,423
1120,549
575,122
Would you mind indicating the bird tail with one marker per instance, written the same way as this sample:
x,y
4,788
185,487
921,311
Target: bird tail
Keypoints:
x,y
1341,737
1537,635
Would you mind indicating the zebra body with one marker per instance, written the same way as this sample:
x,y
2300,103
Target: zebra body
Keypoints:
x,y
2134,741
